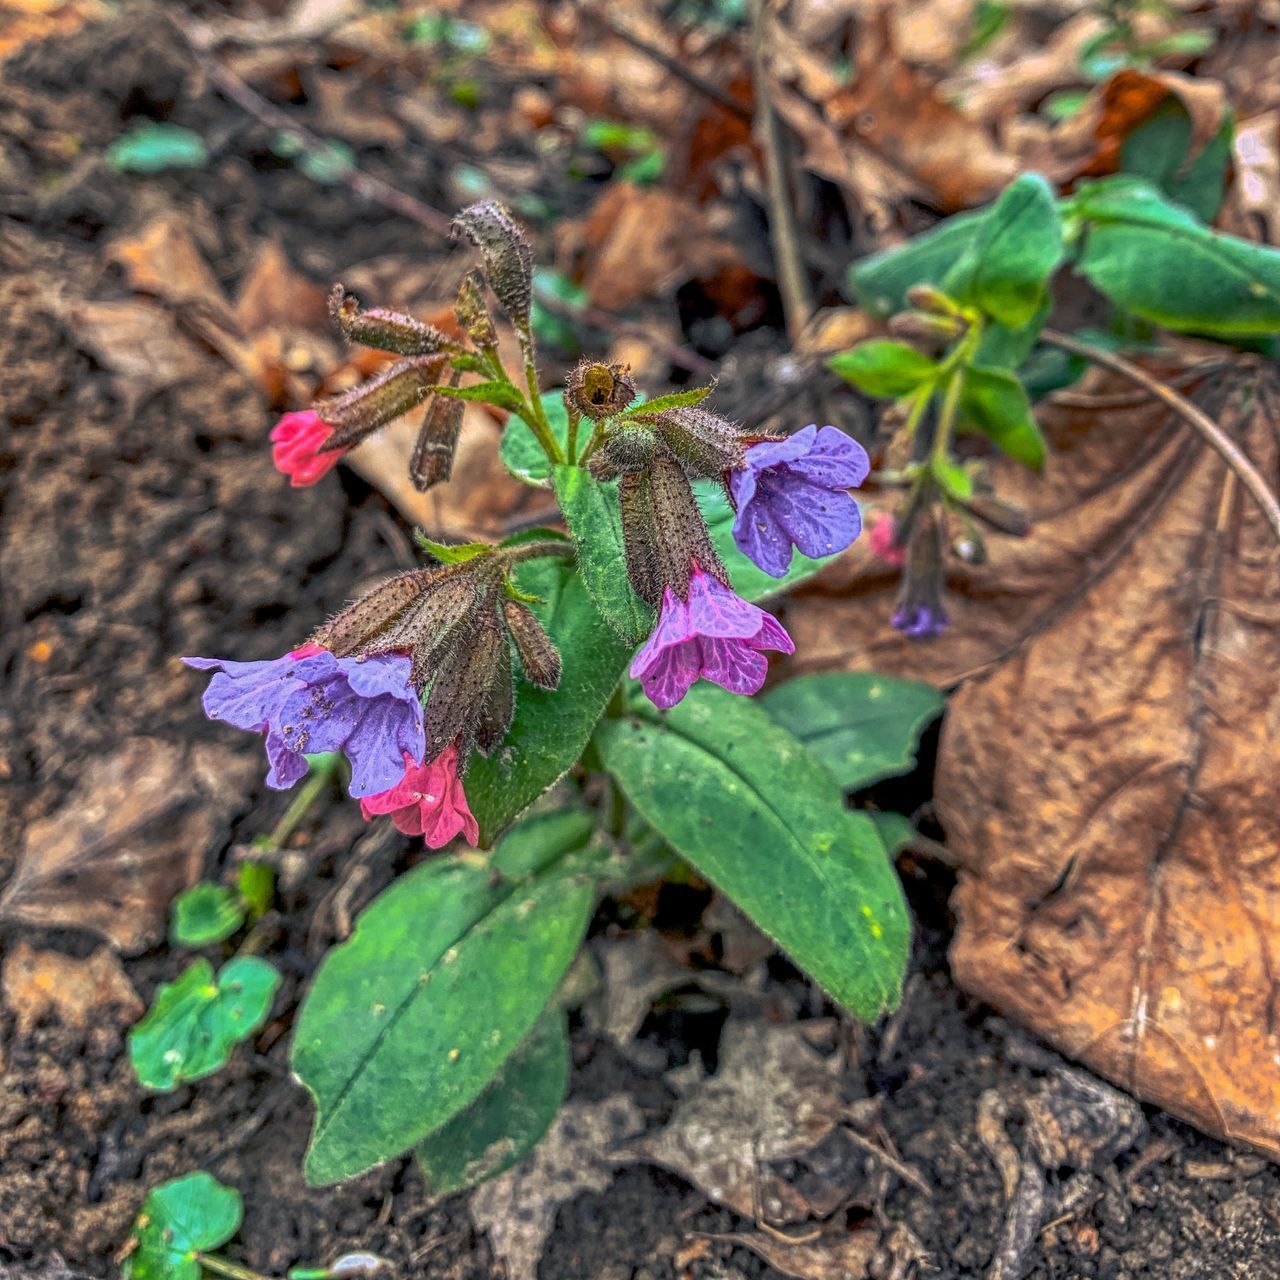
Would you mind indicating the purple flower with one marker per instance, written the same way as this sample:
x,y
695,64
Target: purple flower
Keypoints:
x,y
919,613
792,493
919,620
714,634
310,701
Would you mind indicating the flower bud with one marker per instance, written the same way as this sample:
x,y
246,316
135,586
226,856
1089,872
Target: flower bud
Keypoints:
x,y
432,459
360,412
473,314
705,443
918,326
628,447
538,656
599,390
507,259
1002,516
919,613
385,330
470,701
927,297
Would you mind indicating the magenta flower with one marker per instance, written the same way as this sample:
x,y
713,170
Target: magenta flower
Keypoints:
x,y
882,537
309,701
298,439
428,801
792,493
714,635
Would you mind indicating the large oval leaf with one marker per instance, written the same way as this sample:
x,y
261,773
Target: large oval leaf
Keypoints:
x,y
743,801
550,729
861,725
445,975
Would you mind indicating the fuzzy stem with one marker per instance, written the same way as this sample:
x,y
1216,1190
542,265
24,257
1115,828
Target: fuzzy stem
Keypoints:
x,y
575,418
537,418
534,550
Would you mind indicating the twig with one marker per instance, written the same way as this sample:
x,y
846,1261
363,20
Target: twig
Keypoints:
x,y
673,65
792,283
1190,413
894,1165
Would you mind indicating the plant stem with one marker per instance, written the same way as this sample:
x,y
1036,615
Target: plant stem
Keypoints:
x,y
537,418
232,1270
575,418
522,551
1190,413
302,802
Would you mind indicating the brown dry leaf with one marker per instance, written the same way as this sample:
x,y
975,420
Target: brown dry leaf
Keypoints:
x,y
518,1210
37,983
838,1254
637,970
773,1097
640,242
22,21
133,834
1255,195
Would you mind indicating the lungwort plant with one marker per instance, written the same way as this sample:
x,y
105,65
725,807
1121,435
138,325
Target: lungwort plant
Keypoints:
x,y
594,680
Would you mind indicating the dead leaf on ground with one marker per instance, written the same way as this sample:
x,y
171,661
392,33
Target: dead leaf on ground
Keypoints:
x,y
637,970
35,984
837,1254
132,835
518,1210
773,1097
22,21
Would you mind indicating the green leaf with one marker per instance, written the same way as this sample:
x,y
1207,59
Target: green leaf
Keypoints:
x,y
153,148
451,552
740,798
749,581
520,450
178,1220
954,479
205,913
445,975
884,368
594,518
550,729
1155,260
1006,347
862,726
895,830
676,400
1159,150
880,282
508,1119
1005,270
195,1022
994,402
256,884
502,394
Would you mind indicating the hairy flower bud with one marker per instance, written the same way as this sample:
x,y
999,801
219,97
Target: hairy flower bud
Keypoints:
x,y
920,614
507,259
599,390
919,326
1002,516
385,330
628,447
538,656
473,314
707,444
462,704
663,532
360,412
432,459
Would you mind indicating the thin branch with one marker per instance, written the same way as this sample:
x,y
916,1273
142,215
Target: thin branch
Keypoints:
x,y
1190,413
793,284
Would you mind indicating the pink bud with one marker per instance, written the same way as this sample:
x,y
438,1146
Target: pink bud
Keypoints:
x,y
881,538
296,443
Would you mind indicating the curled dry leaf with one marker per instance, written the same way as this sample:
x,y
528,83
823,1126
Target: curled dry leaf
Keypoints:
x,y
637,970
837,1254
131,836
35,984
1107,774
518,1210
772,1097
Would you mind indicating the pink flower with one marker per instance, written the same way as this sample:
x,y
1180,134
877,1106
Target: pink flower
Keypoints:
x,y
428,801
714,635
297,440
881,536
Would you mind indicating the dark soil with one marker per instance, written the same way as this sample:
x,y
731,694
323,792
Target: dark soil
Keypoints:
x,y
140,528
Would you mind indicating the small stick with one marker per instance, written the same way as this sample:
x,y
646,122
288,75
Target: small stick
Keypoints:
x,y
1190,413
792,283
904,1171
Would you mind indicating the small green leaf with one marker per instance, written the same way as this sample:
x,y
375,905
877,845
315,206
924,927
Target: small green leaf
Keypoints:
x,y
550,729
676,400
520,450
1155,260
452,552
880,282
256,884
179,1220
1006,269
195,1022
205,913
1005,347
862,726
994,402
502,394
445,975
740,799
1159,150
153,148
884,368
746,578
508,1119
594,518
895,830
954,479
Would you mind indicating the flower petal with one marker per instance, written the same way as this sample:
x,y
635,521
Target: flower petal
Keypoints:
x,y
714,610
669,678
733,665
836,461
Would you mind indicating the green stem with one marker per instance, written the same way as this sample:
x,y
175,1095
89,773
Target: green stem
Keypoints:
x,y
593,443
537,418
574,419
302,802
534,550
232,1270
